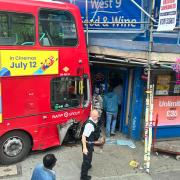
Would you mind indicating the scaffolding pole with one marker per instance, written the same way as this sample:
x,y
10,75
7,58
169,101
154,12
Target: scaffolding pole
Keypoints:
x,y
149,100
147,14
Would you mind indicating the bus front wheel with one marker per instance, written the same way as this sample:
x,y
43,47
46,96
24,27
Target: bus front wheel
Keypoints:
x,y
14,146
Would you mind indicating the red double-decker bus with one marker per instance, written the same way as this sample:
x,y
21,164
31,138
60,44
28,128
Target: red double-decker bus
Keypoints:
x,y
44,76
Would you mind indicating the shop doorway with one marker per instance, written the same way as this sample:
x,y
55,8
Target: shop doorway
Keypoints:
x,y
117,78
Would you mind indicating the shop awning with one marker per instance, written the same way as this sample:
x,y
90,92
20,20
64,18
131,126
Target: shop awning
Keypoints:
x,y
139,58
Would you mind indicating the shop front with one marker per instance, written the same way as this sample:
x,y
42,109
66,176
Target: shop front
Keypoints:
x,y
131,68
166,103
127,80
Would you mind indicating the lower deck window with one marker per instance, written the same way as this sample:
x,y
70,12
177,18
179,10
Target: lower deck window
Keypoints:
x,y
65,92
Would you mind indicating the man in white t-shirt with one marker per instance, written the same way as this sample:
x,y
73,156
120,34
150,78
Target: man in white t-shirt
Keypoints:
x,y
88,141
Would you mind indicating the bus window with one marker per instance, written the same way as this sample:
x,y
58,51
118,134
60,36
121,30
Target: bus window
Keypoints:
x,y
16,29
65,92
57,28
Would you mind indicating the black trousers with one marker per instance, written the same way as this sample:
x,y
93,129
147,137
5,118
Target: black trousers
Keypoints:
x,y
86,164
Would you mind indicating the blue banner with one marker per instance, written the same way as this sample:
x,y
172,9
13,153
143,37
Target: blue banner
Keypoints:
x,y
113,11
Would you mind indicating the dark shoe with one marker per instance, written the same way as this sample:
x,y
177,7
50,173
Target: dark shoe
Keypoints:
x,y
86,178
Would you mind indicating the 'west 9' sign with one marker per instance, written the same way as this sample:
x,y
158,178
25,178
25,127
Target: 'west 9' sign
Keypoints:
x,y
110,14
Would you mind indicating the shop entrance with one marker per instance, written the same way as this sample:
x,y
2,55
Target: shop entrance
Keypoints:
x,y
103,78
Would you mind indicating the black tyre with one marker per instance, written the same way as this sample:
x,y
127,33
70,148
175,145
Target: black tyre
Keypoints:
x,y
14,146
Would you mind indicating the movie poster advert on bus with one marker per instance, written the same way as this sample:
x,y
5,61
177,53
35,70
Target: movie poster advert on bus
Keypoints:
x,y
168,110
120,14
24,62
168,15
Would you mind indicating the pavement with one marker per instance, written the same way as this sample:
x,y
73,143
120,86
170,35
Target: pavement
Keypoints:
x,y
109,163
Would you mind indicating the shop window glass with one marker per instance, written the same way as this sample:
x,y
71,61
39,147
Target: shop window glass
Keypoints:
x,y
166,83
17,29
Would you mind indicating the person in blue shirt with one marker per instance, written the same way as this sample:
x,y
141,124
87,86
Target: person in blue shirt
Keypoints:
x,y
110,104
44,171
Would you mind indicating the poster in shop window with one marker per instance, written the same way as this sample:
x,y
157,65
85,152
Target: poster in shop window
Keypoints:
x,y
168,110
163,84
176,89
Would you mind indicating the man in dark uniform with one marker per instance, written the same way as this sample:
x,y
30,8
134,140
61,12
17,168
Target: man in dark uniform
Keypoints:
x,y
88,141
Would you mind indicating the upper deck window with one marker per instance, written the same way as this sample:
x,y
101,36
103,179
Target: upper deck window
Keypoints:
x,y
16,29
57,28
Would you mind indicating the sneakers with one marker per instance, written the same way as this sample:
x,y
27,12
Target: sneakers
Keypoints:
x,y
113,133
86,178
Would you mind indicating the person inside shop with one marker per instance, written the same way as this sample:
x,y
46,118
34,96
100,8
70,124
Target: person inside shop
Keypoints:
x,y
97,103
119,92
89,139
110,104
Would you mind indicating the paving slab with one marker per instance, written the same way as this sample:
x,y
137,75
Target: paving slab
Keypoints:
x,y
8,171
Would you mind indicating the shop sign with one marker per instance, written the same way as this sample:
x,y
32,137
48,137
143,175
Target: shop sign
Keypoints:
x,y
112,11
168,15
168,110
